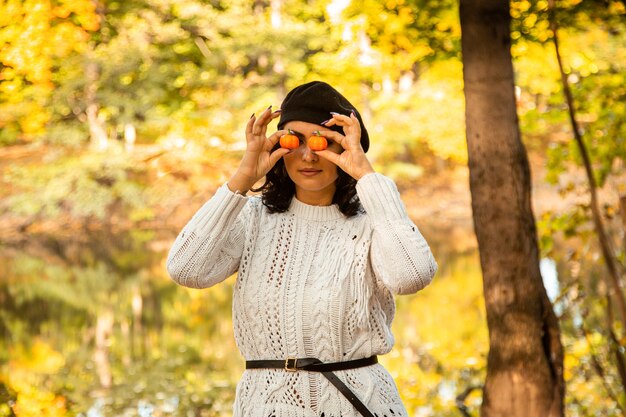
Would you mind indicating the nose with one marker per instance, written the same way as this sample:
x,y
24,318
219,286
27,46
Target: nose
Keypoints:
x,y
307,154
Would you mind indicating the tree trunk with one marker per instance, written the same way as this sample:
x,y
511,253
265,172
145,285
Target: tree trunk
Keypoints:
x,y
276,16
279,67
525,362
97,133
130,136
622,205
138,332
104,328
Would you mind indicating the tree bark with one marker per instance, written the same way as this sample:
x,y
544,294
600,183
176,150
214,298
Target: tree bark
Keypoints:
x,y
525,362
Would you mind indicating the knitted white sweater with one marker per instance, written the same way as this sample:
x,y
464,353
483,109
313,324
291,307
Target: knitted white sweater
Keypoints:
x,y
310,283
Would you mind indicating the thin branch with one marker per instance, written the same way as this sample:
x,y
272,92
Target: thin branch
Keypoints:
x,y
605,244
202,46
622,207
615,345
460,399
597,366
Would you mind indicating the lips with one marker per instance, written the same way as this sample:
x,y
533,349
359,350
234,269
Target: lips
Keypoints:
x,y
309,171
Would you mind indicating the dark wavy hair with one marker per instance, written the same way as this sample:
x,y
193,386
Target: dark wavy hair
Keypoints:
x,y
279,189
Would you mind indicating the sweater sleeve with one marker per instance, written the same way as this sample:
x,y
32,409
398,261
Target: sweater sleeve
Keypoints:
x,y
400,256
209,247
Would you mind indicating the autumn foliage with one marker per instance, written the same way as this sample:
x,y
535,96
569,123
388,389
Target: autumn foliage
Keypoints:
x,y
118,119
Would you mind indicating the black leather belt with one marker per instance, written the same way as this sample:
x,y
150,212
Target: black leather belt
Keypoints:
x,y
326,369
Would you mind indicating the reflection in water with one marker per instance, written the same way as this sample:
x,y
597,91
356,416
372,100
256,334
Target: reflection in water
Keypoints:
x,y
95,328
128,341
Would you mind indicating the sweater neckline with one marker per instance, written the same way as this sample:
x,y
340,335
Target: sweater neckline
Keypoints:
x,y
315,213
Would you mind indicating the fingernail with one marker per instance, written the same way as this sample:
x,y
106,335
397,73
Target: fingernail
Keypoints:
x,y
353,112
278,111
252,115
269,108
325,121
334,113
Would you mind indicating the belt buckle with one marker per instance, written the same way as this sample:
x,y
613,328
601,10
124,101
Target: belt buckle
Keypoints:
x,y
291,364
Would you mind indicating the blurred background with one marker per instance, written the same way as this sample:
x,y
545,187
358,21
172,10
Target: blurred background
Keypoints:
x,y
118,119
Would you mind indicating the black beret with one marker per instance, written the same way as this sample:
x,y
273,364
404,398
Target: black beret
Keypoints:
x,y
313,102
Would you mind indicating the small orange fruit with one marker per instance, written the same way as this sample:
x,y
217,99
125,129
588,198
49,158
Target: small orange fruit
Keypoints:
x,y
317,142
289,141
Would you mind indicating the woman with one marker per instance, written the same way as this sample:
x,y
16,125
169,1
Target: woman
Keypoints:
x,y
319,256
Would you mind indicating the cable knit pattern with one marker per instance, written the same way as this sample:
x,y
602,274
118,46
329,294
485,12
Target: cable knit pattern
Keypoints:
x,y
310,283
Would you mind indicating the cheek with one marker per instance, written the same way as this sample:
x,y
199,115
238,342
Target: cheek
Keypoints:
x,y
289,158
289,162
331,169
335,147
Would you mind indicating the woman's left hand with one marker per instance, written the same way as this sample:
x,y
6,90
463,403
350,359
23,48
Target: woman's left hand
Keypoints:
x,y
352,160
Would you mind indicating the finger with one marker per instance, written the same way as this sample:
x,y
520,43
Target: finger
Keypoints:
x,y
261,122
274,115
277,154
350,124
266,114
334,136
256,128
266,118
355,123
343,120
340,118
250,124
275,137
328,123
330,156
355,119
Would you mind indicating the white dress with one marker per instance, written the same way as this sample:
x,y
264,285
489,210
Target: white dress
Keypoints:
x,y
311,283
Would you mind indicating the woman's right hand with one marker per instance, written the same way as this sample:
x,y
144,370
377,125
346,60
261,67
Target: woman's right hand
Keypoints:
x,y
258,158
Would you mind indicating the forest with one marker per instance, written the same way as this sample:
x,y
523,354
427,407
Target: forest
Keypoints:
x,y
119,119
